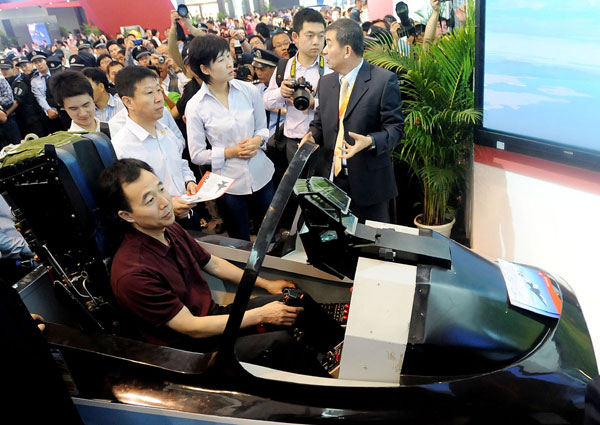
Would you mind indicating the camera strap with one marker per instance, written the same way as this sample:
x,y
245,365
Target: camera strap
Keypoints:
x,y
280,71
321,67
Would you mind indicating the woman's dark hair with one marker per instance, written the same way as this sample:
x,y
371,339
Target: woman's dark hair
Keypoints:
x,y
306,15
128,78
204,50
69,84
96,75
103,56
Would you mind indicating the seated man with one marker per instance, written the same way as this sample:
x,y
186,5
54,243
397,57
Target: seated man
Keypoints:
x,y
156,277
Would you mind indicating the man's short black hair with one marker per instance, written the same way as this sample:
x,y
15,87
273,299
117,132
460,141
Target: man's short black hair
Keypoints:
x,y
96,75
69,84
204,50
306,15
348,33
260,37
387,24
110,184
112,65
111,42
390,19
102,56
128,78
263,30
155,69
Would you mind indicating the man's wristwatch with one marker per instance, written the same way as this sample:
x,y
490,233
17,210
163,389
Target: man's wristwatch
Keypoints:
x,y
373,146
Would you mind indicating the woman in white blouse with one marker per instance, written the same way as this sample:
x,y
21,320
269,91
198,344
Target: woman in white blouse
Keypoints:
x,y
229,114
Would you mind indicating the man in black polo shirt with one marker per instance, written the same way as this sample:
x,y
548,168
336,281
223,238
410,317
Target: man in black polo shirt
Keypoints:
x,y
157,278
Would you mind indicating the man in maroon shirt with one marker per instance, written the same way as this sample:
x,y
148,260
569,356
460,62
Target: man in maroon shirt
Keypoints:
x,y
156,277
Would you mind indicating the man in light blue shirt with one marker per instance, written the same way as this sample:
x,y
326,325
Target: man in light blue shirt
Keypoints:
x,y
107,106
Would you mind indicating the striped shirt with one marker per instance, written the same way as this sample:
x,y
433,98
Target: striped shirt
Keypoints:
x,y
113,106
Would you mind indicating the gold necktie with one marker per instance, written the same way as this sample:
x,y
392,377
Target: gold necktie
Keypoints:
x,y
343,103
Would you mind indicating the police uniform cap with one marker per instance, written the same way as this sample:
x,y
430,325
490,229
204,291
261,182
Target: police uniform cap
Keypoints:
x,y
76,61
6,64
263,58
99,43
139,51
23,60
54,62
39,55
84,45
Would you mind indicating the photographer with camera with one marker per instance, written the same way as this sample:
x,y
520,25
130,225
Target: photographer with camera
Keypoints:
x,y
229,114
170,80
293,88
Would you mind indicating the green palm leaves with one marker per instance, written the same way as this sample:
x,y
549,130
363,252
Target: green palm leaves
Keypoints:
x,y
436,82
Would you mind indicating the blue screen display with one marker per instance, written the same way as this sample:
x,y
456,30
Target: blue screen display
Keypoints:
x,y
542,70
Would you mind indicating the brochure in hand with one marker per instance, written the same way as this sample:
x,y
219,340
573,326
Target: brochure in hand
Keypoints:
x,y
531,289
211,186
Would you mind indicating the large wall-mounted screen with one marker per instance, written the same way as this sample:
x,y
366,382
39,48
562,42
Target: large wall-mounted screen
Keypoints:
x,y
538,78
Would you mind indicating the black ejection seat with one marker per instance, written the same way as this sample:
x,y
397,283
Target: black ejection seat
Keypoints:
x,y
51,186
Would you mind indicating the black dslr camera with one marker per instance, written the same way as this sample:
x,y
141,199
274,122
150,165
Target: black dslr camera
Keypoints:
x,y
242,72
301,96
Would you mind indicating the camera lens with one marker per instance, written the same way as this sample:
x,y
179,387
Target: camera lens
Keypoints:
x,y
301,99
182,10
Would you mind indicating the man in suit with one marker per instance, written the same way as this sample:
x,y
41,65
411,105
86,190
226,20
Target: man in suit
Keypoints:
x,y
357,123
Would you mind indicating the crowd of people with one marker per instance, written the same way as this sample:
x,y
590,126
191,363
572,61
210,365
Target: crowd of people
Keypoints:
x,y
236,97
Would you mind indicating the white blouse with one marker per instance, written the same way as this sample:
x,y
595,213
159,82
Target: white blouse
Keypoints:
x,y
208,118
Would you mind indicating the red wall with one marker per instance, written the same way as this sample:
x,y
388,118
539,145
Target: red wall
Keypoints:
x,y
110,15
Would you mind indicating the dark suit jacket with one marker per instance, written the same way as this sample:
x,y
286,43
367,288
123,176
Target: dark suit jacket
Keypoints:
x,y
374,109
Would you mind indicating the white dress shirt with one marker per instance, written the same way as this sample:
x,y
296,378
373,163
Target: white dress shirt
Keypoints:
x,y
113,106
207,118
76,128
296,121
163,153
117,122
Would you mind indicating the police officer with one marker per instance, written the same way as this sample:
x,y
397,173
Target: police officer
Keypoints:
x,y
39,85
141,55
9,130
26,110
26,67
56,67
264,64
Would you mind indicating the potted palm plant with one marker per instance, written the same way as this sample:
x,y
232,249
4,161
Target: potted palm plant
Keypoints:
x,y
436,82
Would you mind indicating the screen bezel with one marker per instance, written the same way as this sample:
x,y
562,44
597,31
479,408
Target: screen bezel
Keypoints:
x,y
535,147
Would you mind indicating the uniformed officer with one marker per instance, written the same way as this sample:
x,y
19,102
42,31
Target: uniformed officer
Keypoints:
x,y
9,130
264,63
26,110
24,63
39,85
141,55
